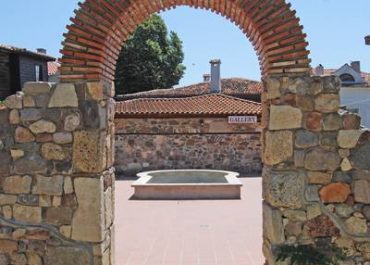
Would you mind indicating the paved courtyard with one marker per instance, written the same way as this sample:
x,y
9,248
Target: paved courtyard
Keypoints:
x,y
211,232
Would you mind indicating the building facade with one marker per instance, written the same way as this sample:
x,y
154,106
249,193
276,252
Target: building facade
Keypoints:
x,y
18,66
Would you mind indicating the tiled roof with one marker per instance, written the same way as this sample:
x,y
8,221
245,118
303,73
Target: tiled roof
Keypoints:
x,y
203,105
53,68
13,49
232,86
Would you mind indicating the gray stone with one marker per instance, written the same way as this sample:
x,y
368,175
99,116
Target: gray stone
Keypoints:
x,y
49,185
344,210
360,174
283,189
42,101
328,140
332,122
331,84
66,256
340,176
361,190
273,225
36,88
312,193
64,96
366,211
299,156
319,159
28,199
62,138
360,157
30,114
30,163
306,139
72,122
90,114
2,145
295,215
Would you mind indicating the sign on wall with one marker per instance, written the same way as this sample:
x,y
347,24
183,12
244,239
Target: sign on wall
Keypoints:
x,y
242,119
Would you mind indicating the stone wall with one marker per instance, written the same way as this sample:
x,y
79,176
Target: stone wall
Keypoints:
x,y
178,143
56,179
316,179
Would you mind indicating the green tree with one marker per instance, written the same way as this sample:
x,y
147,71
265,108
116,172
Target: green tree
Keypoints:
x,y
150,59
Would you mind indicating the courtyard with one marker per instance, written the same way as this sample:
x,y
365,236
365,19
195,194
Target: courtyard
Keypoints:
x,y
205,232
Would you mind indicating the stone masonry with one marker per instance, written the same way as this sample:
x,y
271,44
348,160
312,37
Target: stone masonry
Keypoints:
x,y
316,179
56,175
178,143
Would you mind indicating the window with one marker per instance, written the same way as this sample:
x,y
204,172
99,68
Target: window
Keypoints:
x,y
38,73
347,78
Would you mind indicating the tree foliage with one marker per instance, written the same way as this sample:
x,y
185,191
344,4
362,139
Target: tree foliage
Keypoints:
x,y
150,59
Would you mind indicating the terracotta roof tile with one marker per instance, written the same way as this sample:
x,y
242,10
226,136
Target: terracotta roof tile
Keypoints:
x,y
203,105
53,68
230,86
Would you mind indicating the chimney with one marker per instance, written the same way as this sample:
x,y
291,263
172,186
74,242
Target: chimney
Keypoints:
x,y
367,40
206,78
41,50
356,65
319,70
215,76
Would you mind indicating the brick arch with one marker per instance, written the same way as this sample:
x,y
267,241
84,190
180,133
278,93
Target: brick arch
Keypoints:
x,y
94,39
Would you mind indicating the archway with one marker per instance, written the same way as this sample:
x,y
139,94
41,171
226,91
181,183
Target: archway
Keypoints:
x,y
56,155
93,42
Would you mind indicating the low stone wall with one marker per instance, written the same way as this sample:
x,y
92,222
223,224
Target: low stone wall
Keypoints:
x,y
186,143
56,180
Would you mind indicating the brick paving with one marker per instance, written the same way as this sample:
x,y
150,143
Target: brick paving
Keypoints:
x,y
210,232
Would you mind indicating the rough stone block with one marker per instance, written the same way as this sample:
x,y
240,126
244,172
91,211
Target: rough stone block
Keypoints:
x,y
6,199
360,157
356,225
285,117
348,138
42,126
31,163
306,139
23,135
313,121
64,96
72,121
327,103
17,184
59,216
27,214
316,177
88,220
30,114
89,151
283,189
52,151
67,256
361,190
335,193
273,225
49,185
14,101
36,88
278,147
332,122
62,138
319,159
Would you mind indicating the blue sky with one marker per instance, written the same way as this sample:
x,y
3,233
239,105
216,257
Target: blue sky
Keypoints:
x,y
335,28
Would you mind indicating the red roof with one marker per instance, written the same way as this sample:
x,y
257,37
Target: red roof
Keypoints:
x,y
232,86
203,105
53,68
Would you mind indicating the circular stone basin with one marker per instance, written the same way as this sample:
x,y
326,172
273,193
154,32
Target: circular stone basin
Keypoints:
x,y
185,184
